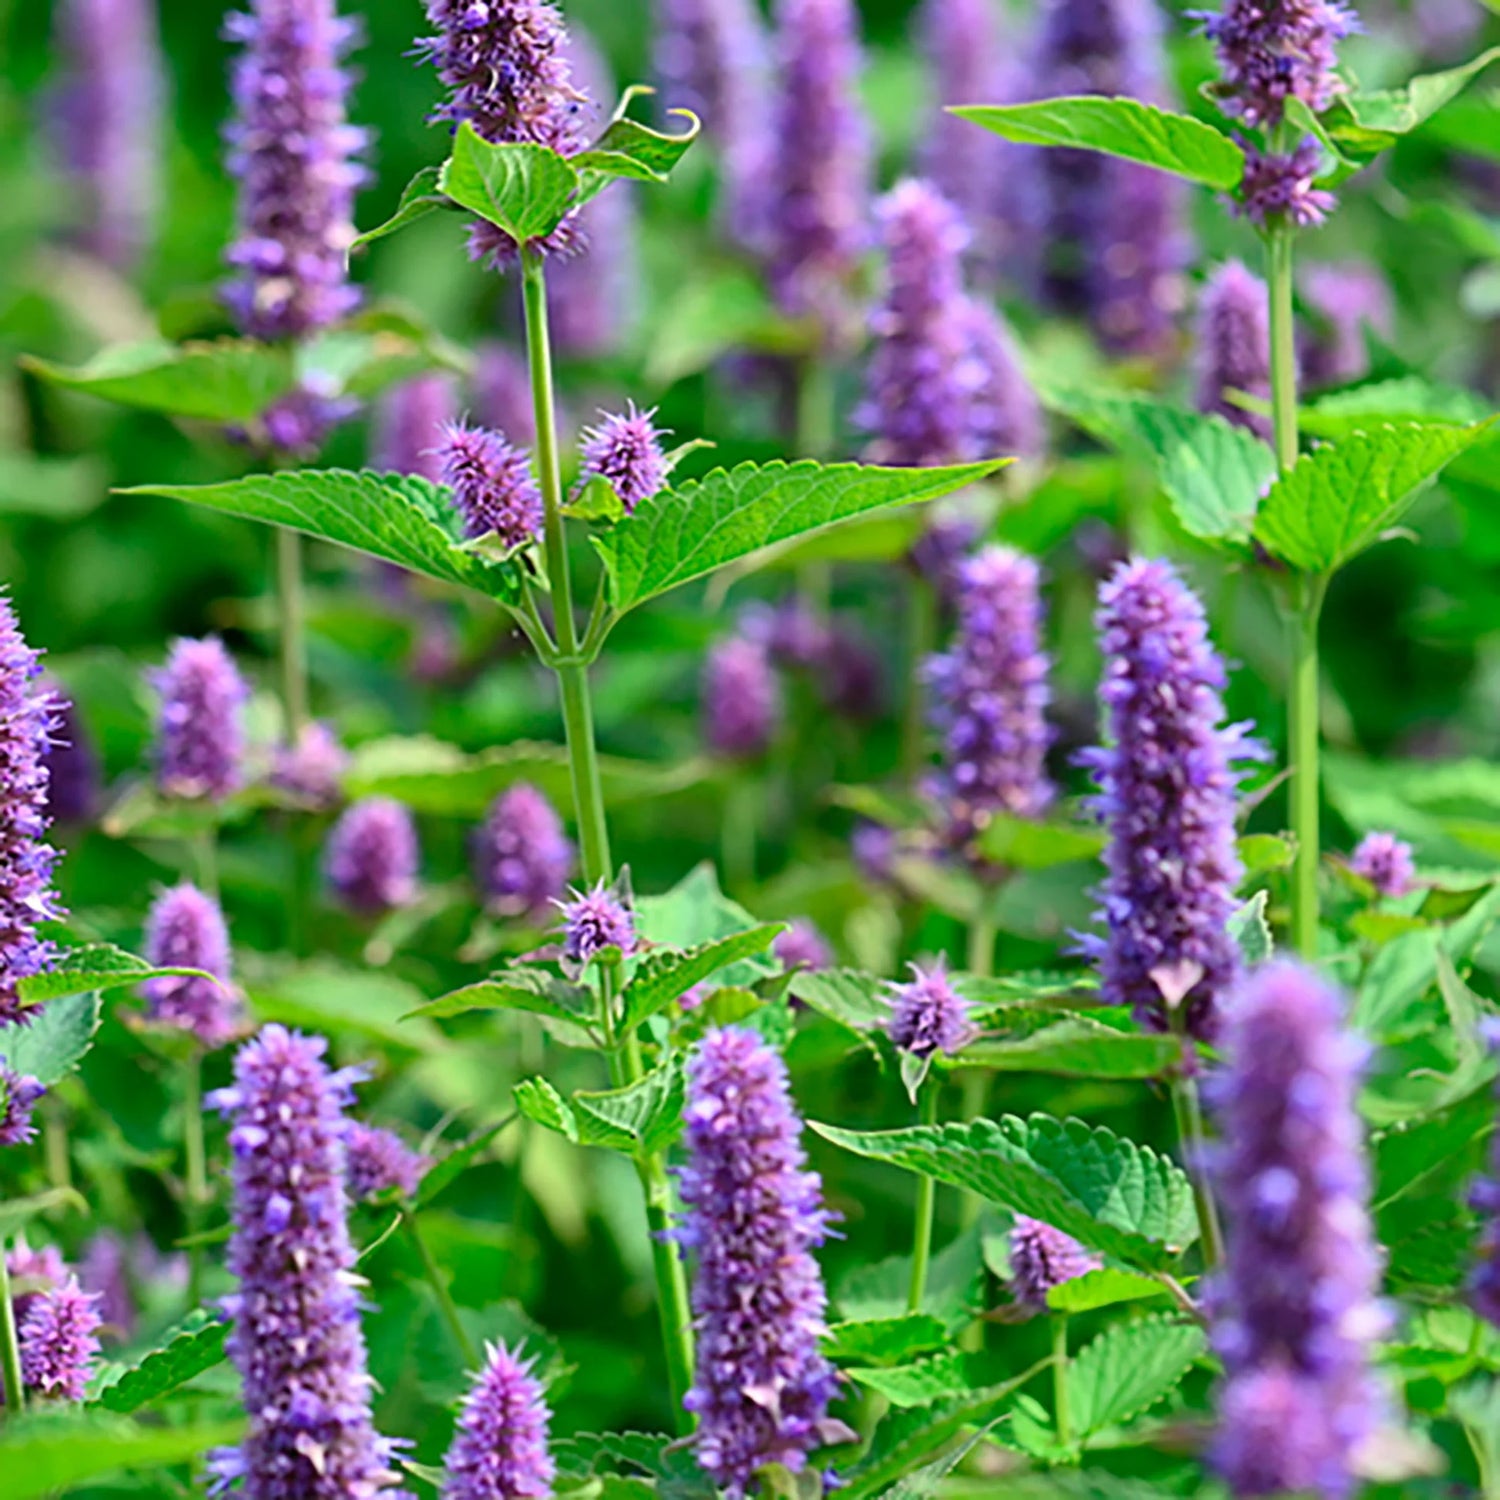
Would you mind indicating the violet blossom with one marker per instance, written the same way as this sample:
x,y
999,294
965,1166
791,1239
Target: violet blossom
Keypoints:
x,y
58,1339
1234,346
492,484
1386,862
499,1450
200,725
410,422
928,1015
185,929
371,858
741,699
521,854
378,1160
625,451
1041,1258
19,1093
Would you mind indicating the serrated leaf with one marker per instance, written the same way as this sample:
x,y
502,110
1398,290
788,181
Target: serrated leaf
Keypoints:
x,y
1337,500
398,517
1102,1288
187,1354
854,999
1119,127
1111,1194
230,380
51,1044
631,150
695,911
1128,1369
420,197
644,1117
540,1102
1406,398
532,990
884,1340
1024,844
938,1378
97,966
684,533
662,977
1080,1047
1248,927
524,189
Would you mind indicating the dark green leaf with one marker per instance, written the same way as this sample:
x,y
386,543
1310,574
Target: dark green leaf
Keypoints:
x,y
662,977
325,997
884,1340
194,1348
1442,1146
49,1046
1077,1046
532,990
420,197
525,190
1128,1369
458,1161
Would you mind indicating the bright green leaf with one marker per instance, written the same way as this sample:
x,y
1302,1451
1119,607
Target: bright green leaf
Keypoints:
x,y
1023,844
323,996
1248,927
1362,125
531,990
644,1117
1102,1288
524,189
695,911
884,1340
97,966
51,1044
61,489
540,1102
1128,1369
852,998
632,150
192,1349
420,197
939,1377
1077,1046
662,977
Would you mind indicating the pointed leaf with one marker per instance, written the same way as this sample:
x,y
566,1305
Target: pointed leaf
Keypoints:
x,y
420,197
532,990
1119,127
1362,125
1025,844
854,999
629,149
458,1161
51,1044
539,1101
1077,1046
192,1349
662,978
683,534
525,190
1102,1288
1128,1369
96,966
644,1117
884,1340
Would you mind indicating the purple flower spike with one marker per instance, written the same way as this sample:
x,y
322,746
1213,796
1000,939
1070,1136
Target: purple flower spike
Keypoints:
x,y
1005,416
499,1451
1168,782
58,1342
296,1341
109,121
741,699
928,1015
802,946
1271,51
990,697
1296,1310
1484,1199
594,920
313,769
820,162
185,930
1386,862
492,484
378,1160
293,152
1041,1258
1234,346
521,854
32,1272
753,1214
410,423
295,426
1348,300
372,855
72,766
200,728
27,897
19,1093
1278,187
626,451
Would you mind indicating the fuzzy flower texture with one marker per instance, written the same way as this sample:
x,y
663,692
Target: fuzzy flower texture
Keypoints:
x,y
19,1093
1386,862
185,929
371,858
594,920
200,743
378,1160
741,699
521,854
58,1342
625,451
753,1216
1041,1258
492,484
499,1451
928,1015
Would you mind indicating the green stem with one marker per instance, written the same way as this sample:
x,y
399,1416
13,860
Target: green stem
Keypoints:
x,y
921,1252
1302,726
206,857
196,1165
981,947
817,408
1060,1411
1188,1111
1283,346
671,1283
446,1305
10,1345
739,836
921,641
293,632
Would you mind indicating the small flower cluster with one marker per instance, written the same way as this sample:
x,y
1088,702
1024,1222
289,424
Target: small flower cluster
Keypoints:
x,y
499,1451
593,921
186,930
372,855
1041,1258
928,1015
19,1093
378,1160
521,854
200,742
1386,862
58,1338
741,699
625,451
1234,346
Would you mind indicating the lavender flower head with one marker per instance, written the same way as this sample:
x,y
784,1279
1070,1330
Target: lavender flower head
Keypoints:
x,y
185,929
293,151
1005,414
753,1214
1041,1258
625,451
1347,300
33,1272
295,426
1296,1311
1167,784
990,697
594,920
1484,1199
1386,862
109,121
790,632
928,1015
521,854
27,897
58,1342
377,1160
1278,187
740,699
499,1451
820,162
296,1340
19,1093
313,769
492,484
200,728
72,766
1270,51
371,858
802,946
1234,346
410,423
873,849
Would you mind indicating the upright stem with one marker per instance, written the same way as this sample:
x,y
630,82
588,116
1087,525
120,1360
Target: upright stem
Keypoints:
x,y
976,1081
817,412
921,1252
293,631
1188,1110
921,641
1060,1412
741,803
671,1283
10,1344
196,1163
446,1305
1283,346
981,947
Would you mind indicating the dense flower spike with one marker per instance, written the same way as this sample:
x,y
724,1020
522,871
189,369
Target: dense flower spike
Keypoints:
x,y
594,920
990,698
1484,1198
185,929
296,1341
410,423
1167,784
1296,1311
521,854
295,426
1041,1258
626,451
499,1450
371,858
58,1342
492,484
820,164
19,1093
109,121
293,151
31,1273
741,699
803,946
313,769
1386,862
1234,345
27,897
1347,301
1271,51
1005,416
378,1160
1278,188
928,1015
753,1214
72,766
200,728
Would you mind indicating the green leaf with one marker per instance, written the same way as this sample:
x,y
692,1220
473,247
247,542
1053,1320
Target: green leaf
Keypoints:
x,y
524,189
61,489
49,1046
97,966
532,990
943,1375
1337,500
1077,1046
458,1161
683,534
192,1349
17,1213
1102,1288
420,197
1442,1146
53,1452
852,998
229,380
1113,1195
1407,398
1119,127
1363,125
662,978
1263,852
884,1340
399,517
629,149
643,1118
695,911
1247,925
540,1102
326,997
1128,1369
1024,844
